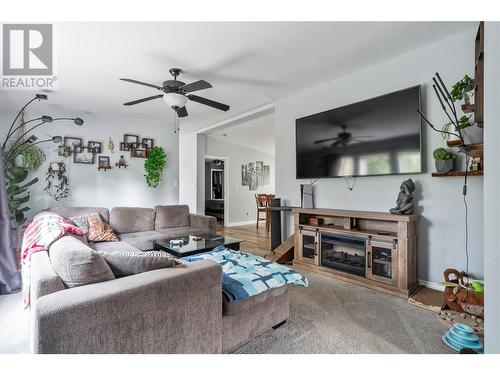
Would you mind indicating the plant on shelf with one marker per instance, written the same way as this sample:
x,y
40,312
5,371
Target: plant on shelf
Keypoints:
x,y
154,165
445,159
459,90
463,123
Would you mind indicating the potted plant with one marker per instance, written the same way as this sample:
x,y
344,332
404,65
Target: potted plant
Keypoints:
x,y
154,165
463,122
462,89
444,159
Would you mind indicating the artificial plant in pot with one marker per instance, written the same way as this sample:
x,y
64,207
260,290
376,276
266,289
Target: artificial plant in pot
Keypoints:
x,y
154,165
448,128
444,159
462,89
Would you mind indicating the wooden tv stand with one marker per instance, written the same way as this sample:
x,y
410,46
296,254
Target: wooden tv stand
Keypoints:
x,y
373,249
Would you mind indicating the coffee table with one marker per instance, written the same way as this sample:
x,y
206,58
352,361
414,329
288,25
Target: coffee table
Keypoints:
x,y
191,247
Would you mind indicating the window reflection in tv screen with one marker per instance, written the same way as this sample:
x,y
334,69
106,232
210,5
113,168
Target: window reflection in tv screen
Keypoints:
x,y
379,136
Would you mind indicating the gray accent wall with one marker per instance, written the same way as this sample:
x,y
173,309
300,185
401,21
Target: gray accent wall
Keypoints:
x,y
439,200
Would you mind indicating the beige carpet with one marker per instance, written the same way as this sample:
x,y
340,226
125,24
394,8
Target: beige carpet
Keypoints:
x,y
329,316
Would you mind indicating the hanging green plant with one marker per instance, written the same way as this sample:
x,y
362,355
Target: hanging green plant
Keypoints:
x,y
154,165
32,157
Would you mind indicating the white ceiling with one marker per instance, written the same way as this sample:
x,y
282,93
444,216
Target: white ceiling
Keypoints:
x,y
250,64
257,134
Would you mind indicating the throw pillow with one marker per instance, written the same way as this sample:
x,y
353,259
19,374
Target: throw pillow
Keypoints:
x,y
99,231
82,221
125,263
77,264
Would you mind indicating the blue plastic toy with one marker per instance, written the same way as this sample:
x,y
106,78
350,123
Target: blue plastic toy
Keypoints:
x,y
461,336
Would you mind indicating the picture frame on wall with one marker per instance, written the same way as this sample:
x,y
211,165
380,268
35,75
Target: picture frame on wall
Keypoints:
x,y
134,145
95,146
83,156
130,138
148,143
124,146
103,162
73,142
139,152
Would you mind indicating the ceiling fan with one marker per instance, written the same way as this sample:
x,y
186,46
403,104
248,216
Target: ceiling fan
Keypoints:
x,y
343,138
176,93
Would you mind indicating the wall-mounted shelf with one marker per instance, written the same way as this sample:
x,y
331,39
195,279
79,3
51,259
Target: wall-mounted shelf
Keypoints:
x,y
457,173
468,108
479,75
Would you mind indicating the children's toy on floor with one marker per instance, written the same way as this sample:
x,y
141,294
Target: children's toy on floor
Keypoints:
x,y
461,336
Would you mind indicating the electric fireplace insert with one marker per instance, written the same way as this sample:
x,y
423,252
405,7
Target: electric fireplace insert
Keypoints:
x,y
347,254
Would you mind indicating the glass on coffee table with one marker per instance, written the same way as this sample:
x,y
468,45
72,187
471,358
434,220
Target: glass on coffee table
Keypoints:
x,y
195,244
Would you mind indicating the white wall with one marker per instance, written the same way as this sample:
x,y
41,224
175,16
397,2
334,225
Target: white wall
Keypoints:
x,y
187,170
491,183
441,229
115,187
240,201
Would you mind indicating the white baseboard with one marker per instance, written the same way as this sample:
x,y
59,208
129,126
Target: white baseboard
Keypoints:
x,y
431,285
238,223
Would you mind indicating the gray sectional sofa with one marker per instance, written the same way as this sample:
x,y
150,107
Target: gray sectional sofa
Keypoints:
x,y
171,310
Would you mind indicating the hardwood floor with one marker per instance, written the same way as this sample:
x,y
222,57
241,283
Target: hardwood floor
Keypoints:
x,y
255,241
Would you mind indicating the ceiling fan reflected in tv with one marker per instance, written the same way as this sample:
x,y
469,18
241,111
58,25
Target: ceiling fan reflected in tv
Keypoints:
x,y
375,137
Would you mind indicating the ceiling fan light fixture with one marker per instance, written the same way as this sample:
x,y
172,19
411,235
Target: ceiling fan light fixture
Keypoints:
x,y
174,100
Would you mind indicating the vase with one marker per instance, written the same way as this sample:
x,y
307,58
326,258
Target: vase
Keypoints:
x,y
444,166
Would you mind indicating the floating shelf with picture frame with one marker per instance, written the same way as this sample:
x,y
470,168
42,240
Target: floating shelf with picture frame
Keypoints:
x,y
82,155
103,163
95,146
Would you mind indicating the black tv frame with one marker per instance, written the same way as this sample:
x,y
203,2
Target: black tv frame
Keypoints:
x,y
368,175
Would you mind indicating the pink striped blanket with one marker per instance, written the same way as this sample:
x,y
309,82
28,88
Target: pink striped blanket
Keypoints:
x,y
45,228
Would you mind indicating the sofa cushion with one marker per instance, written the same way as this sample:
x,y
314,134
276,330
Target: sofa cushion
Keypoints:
x,y
171,216
132,219
124,263
77,264
146,233
180,232
246,304
67,212
100,231
82,221
113,246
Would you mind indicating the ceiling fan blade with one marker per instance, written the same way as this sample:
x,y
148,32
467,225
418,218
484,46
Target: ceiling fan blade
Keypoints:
x,y
143,99
336,143
182,112
196,86
325,140
210,103
364,136
141,83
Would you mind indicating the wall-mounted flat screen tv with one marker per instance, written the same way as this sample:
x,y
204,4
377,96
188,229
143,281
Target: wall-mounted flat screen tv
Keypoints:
x,y
376,137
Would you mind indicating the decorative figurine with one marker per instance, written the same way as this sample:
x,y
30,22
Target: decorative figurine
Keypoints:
x,y
121,163
111,145
476,164
405,199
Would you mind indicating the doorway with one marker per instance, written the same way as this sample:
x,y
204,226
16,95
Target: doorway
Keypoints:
x,y
215,188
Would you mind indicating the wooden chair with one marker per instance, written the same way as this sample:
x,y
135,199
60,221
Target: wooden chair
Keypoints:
x,y
263,202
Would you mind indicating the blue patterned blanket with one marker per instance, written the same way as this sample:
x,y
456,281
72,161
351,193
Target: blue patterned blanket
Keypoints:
x,y
246,274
